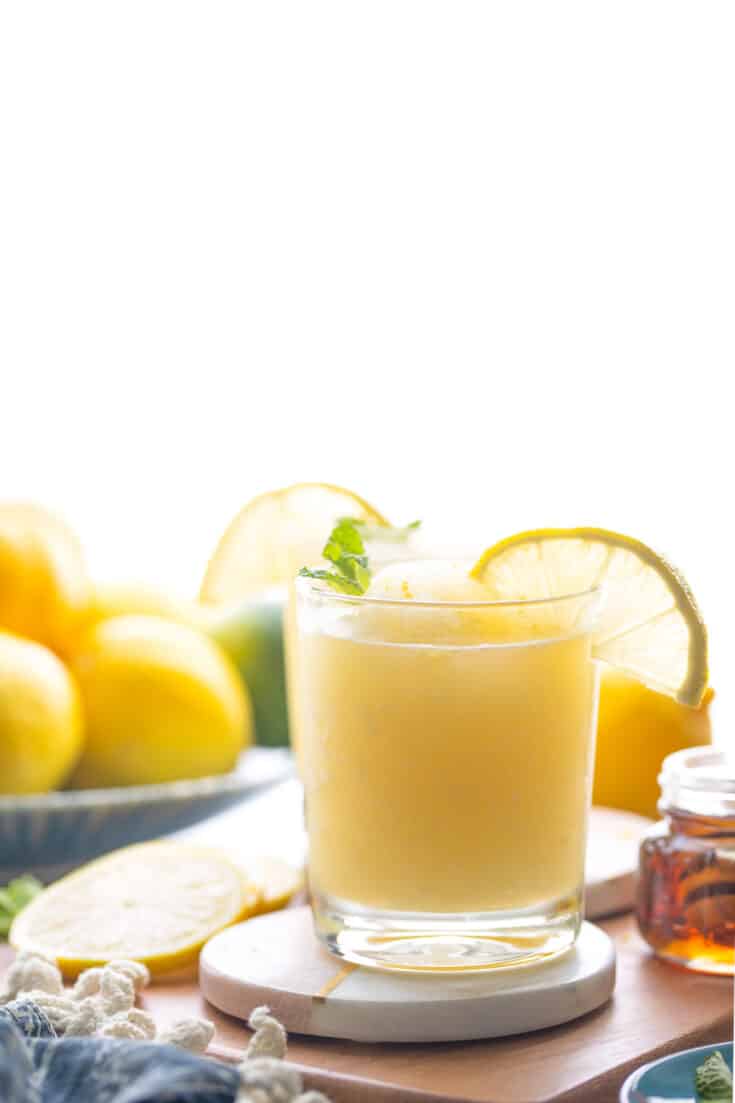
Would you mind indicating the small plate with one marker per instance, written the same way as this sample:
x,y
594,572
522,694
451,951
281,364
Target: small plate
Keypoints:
x,y
670,1079
276,959
50,833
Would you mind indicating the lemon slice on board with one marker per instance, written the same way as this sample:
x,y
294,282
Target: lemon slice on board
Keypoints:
x,y
274,535
277,882
649,627
157,903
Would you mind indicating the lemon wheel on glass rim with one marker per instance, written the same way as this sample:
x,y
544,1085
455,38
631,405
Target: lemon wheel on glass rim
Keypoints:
x,y
650,626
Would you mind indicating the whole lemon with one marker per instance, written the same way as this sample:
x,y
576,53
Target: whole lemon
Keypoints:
x,y
120,599
161,701
44,588
636,729
40,717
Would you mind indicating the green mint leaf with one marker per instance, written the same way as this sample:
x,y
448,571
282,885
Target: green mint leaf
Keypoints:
x,y
345,549
713,1080
14,897
344,539
355,567
363,574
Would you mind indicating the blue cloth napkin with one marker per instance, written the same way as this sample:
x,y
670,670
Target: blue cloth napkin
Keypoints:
x,y
38,1067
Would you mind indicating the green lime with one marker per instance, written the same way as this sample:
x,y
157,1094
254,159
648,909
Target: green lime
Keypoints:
x,y
251,632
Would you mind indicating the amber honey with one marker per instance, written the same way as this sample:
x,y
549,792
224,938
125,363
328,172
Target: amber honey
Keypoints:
x,y
686,887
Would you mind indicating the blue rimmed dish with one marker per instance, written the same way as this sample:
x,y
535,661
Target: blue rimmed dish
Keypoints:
x,y
50,833
670,1079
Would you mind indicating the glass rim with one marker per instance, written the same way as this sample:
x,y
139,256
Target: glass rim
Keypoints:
x,y
321,589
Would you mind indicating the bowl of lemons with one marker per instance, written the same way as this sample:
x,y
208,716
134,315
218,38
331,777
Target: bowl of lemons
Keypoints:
x,y
123,716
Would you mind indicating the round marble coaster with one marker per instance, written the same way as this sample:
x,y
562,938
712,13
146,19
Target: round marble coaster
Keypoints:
x,y
277,960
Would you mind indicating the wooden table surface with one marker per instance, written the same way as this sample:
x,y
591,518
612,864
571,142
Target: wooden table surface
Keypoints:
x,y
656,1009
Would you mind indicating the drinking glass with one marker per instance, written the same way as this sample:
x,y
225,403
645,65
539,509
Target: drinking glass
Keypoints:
x,y
446,751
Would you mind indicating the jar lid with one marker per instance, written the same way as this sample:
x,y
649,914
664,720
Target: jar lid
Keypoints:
x,y
699,780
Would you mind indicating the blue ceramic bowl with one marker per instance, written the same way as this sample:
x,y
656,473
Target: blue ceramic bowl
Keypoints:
x,y
670,1078
51,833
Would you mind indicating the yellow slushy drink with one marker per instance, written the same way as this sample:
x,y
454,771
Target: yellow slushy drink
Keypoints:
x,y
446,752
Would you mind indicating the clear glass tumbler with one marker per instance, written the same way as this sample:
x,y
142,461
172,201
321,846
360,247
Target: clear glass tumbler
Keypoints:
x,y
446,752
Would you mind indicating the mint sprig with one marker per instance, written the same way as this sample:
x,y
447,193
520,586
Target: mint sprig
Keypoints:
x,y
713,1080
14,897
345,549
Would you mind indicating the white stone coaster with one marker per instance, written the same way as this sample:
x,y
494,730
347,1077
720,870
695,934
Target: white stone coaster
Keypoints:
x,y
277,960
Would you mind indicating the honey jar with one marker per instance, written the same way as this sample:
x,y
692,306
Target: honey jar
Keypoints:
x,y
686,884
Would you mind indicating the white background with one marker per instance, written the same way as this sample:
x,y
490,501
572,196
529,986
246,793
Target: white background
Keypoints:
x,y
474,260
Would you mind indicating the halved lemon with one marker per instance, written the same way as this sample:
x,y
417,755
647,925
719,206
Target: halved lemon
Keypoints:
x,y
650,626
274,535
277,881
157,903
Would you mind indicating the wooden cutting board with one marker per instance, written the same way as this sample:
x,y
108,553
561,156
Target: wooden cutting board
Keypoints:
x,y
656,1009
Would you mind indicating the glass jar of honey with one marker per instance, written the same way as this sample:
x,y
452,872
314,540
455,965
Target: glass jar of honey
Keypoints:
x,y
686,885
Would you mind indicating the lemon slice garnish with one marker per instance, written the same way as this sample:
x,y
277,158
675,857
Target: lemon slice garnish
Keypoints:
x,y
274,535
650,626
156,903
277,882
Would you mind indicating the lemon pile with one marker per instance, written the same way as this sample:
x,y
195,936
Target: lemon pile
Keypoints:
x,y
92,695
121,685
116,686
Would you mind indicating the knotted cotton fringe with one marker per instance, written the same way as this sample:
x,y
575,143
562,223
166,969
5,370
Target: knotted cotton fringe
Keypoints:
x,y
102,1004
